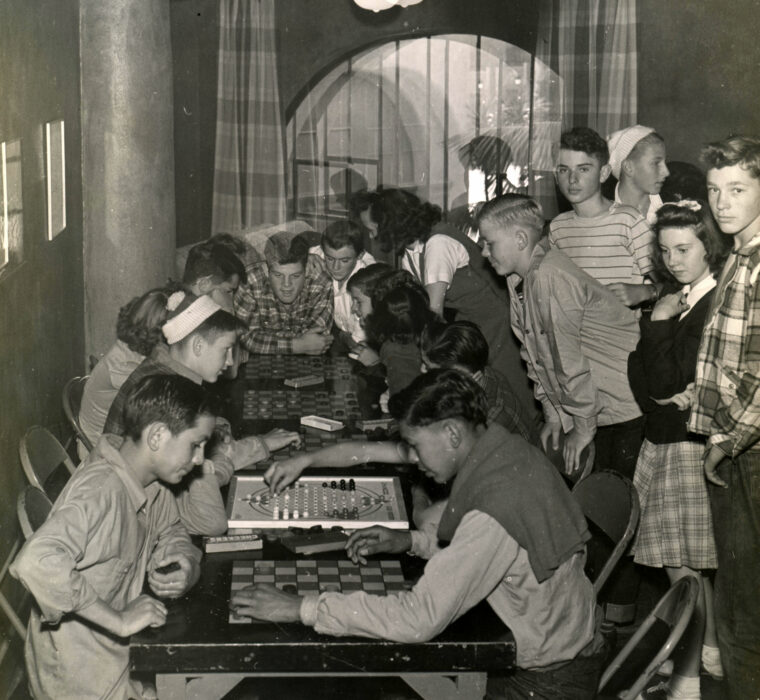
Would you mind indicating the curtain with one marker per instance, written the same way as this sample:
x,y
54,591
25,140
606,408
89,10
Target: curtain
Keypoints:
x,y
249,164
591,45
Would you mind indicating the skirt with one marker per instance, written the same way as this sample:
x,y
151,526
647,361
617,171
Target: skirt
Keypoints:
x,y
675,526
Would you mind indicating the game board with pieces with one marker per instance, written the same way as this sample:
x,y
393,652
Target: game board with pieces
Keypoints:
x,y
304,576
291,403
349,502
290,366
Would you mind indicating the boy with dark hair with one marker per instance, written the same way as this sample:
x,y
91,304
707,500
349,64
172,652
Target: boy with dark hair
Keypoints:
x,y
342,250
611,242
113,523
214,269
286,306
727,409
515,538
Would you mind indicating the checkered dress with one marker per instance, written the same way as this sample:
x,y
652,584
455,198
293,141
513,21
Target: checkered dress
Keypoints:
x,y
675,527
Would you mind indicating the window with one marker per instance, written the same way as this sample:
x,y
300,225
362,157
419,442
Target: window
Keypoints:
x,y
11,204
453,118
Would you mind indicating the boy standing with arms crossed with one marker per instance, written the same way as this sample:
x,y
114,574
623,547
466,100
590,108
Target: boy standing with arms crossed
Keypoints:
x,y
113,523
727,409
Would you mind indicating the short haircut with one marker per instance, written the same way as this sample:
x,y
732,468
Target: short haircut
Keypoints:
x,y
458,343
218,323
365,279
651,139
685,181
235,244
743,151
344,233
164,398
586,140
438,395
510,209
687,215
214,260
139,322
283,248
400,314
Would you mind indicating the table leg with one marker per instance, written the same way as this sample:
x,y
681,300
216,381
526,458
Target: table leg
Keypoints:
x,y
461,686
179,686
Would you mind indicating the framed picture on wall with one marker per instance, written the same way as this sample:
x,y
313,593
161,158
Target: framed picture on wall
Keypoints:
x,y
11,203
55,177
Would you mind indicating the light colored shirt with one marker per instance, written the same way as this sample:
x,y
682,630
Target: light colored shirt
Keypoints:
x,y
551,621
576,337
97,543
696,292
616,246
655,202
101,388
440,256
343,317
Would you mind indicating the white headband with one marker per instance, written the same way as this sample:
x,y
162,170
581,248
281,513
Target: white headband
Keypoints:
x,y
622,142
188,320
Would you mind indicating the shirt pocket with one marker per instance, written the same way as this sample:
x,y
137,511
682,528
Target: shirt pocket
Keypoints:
x,y
111,580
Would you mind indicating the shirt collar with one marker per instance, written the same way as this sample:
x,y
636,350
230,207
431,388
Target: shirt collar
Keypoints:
x,y
753,243
107,449
161,354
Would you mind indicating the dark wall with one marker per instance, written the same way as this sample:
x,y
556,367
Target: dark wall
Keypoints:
x,y
41,300
312,36
698,71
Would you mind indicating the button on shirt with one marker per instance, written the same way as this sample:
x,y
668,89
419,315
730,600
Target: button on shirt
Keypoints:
x,y
102,533
576,337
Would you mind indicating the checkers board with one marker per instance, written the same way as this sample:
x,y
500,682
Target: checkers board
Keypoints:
x,y
314,576
350,502
289,366
281,404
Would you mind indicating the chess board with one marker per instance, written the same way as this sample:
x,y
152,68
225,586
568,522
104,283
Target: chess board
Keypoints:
x,y
313,576
350,502
289,366
282,404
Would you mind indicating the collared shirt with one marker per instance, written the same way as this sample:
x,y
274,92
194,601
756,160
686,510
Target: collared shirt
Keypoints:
x,y
655,202
344,318
727,385
101,388
552,621
273,325
696,292
97,543
576,337
616,246
436,260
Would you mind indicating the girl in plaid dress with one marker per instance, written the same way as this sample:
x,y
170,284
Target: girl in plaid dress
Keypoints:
x,y
675,529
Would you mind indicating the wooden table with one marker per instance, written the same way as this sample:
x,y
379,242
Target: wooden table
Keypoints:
x,y
199,654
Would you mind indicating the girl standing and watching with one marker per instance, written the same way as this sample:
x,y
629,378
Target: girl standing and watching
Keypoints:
x,y
675,529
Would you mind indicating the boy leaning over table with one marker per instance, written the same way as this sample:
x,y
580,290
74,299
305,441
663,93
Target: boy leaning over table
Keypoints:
x,y
514,535
114,523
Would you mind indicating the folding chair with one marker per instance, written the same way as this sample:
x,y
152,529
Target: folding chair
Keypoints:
x,y
72,400
41,457
674,610
32,508
609,501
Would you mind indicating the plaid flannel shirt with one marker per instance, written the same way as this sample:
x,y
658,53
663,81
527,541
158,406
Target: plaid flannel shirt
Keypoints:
x,y
272,325
727,406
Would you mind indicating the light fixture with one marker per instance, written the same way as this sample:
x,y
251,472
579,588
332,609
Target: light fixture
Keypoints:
x,y
378,5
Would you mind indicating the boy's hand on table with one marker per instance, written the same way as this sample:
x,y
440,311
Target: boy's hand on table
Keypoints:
x,y
174,583
312,342
278,438
144,611
266,602
282,474
376,539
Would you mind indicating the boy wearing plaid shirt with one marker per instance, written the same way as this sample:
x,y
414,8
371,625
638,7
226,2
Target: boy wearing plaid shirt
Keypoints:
x,y
287,306
727,409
